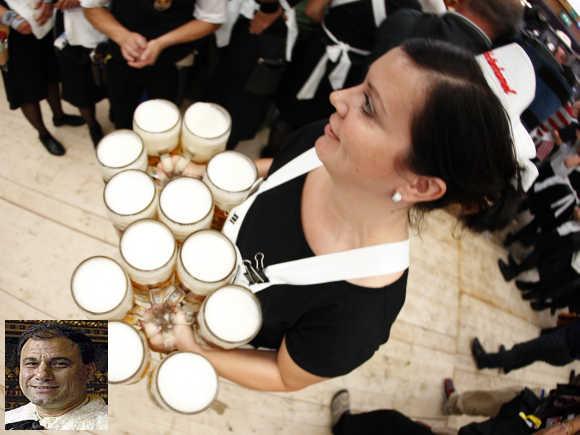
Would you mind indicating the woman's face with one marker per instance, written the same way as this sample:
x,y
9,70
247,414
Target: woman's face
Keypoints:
x,y
369,135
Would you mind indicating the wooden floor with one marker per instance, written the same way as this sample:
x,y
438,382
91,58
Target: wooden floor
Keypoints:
x,y
52,217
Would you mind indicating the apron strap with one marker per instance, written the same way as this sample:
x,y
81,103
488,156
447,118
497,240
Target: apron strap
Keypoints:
x,y
336,3
348,265
337,52
379,11
292,28
304,163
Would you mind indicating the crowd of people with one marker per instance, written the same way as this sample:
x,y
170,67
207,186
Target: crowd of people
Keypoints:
x,y
392,81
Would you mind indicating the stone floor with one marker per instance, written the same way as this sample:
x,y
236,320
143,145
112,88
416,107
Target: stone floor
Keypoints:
x,y
52,217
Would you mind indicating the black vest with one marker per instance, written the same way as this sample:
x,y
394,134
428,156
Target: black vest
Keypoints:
x,y
141,17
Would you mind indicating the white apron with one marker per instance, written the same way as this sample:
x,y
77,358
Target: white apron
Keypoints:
x,y
25,8
338,51
248,8
348,265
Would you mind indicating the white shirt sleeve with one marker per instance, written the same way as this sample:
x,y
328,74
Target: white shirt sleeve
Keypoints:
x,y
94,3
211,11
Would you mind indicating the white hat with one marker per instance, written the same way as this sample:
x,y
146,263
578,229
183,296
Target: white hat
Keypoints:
x,y
510,74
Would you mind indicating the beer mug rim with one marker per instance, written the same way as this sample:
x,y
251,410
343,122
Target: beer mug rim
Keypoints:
x,y
135,224
219,108
208,230
143,355
156,380
256,300
127,284
137,212
171,103
124,130
207,172
212,204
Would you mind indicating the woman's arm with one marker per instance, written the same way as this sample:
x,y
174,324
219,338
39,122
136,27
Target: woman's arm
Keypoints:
x,y
315,9
132,44
190,31
256,369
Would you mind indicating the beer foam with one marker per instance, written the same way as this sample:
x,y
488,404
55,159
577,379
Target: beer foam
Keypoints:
x,y
156,116
99,284
147,245
126,352
232,171
206,120
185,200
187,382
119,148
129,192
208,256
232,314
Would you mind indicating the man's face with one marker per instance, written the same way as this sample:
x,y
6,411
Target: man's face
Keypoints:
x,y
52,374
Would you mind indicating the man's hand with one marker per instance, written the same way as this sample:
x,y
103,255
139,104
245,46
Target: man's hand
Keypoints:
x,y
44,12
132,46
67,4
149,55
262,21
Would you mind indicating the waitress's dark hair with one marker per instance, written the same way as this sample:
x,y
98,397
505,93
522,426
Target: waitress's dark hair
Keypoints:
x,y
462,135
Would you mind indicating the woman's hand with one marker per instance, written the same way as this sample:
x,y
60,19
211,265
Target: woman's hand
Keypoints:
x,y
132,46
149,55
565,428
24,28
44,12
67,4
171,166
262,21
168,328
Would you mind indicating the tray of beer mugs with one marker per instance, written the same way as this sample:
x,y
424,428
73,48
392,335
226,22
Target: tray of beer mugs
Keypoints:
x,y
169,185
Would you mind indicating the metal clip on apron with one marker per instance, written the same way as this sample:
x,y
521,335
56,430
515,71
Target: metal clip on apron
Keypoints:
x,y
248,9
337,52
359,263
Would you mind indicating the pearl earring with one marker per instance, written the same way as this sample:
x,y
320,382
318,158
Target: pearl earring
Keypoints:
x,y
397,197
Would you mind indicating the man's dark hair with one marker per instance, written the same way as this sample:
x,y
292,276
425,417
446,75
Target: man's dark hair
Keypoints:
x,y
462,135
48,330
504,16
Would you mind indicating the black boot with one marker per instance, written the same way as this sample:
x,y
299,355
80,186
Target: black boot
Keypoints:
x,y
483,360
525,285
96,133
507,269
71,120
53,146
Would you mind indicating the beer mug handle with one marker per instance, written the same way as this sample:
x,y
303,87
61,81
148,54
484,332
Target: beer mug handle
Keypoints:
x,y
218,406
255,187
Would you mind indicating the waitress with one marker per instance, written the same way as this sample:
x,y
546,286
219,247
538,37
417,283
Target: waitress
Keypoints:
x,y
150,40
31,74
331,221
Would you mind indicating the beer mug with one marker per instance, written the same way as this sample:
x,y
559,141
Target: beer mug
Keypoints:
x,y
184,382
158,123
120,150
129,196
207,261
101,288
185,206
205,132
230,176
148,250
128,354
230,317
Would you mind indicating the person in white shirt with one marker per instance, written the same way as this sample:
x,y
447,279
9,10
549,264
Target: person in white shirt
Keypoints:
x,y
149,39
56,363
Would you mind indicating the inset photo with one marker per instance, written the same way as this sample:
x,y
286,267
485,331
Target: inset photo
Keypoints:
x,y
56,375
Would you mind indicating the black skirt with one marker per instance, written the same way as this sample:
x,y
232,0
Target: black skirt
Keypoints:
x,y
32,65
78,84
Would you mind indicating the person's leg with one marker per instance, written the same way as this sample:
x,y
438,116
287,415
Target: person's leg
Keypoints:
x,y
33,115
480,402
524,234
550,348
95,130
58,116
125,88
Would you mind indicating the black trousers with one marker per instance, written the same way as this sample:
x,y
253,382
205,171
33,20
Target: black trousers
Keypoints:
x,y
128,86
553,348
380,422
